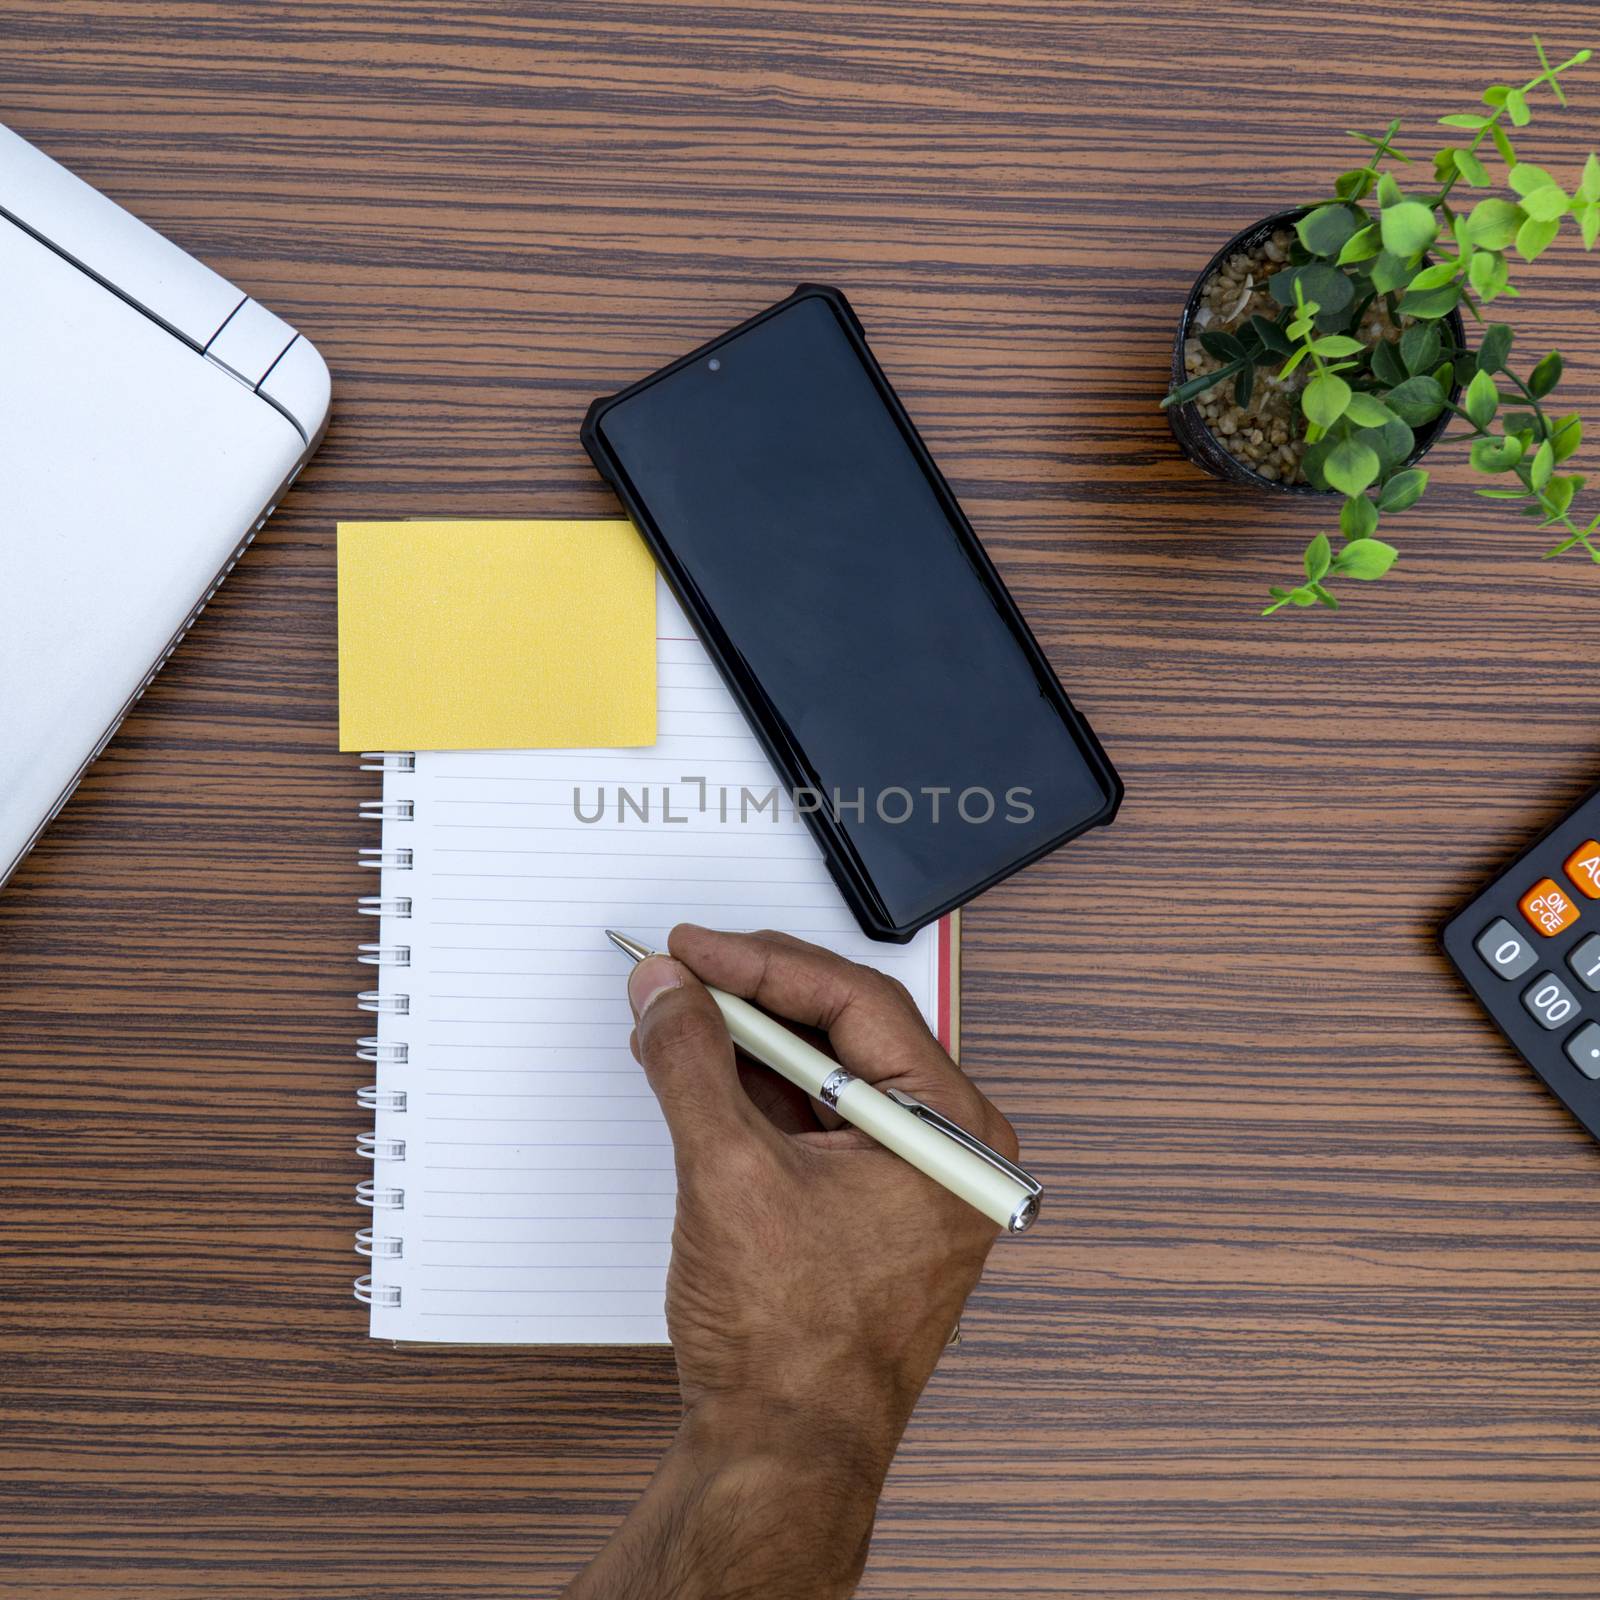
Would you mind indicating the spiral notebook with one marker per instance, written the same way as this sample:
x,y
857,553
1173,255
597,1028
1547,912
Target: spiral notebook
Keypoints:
x,y
522,1188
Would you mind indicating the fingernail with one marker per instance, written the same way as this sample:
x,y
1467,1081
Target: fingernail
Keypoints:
x,y
653,976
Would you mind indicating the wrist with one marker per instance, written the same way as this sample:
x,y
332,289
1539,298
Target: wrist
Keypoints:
x,y
827,1439
795,1489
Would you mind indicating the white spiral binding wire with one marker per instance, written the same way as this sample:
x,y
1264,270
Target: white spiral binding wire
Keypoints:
x,y
394,860
376,1193
384,955
389,1005
374,905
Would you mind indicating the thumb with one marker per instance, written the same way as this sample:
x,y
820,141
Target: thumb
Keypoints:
x,y
683,1045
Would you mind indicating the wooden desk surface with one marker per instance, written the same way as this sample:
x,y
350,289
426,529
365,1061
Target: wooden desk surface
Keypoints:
x,y
1314,1312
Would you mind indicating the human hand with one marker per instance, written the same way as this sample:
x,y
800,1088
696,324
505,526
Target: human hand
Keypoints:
x,y
815,1276
807,1260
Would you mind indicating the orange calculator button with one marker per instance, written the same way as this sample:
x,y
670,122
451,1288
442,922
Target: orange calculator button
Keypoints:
x,y
1583,867
1547,908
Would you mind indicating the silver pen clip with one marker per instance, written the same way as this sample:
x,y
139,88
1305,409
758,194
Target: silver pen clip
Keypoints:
x,y
1022,1218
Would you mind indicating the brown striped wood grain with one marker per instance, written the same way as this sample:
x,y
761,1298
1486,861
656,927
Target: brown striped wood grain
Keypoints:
x,y
1314,1310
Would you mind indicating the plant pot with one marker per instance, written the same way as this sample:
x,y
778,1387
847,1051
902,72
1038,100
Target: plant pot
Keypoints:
x,y
1198,442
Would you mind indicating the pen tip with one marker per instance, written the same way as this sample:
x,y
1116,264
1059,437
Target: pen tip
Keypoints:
x,y
629,947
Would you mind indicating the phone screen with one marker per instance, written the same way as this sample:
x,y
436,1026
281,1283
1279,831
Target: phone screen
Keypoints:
x,y
782,486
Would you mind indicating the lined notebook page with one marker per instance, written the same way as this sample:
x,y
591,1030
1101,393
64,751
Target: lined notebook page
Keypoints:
x,y
534,1199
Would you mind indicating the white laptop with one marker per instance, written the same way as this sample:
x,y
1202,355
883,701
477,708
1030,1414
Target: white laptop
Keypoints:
x,y
151,414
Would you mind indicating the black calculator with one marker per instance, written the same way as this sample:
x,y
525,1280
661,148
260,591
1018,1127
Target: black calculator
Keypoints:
x,y
1529,948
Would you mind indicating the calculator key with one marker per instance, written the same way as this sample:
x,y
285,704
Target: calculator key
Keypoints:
x,y
1583,867
1548,908
1585,962
1509,953
1549,1001
1583,1050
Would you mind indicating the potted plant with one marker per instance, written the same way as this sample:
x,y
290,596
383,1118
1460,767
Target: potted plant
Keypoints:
x,y
1323,350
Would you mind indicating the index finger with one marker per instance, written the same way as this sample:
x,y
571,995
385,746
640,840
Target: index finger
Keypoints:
x,y
871,1021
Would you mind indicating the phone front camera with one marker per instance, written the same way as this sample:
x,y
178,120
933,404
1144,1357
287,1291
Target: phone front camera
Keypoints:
x,y
714,364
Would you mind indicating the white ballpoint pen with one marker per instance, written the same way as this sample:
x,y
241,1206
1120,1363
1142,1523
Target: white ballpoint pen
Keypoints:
x,y
934,1145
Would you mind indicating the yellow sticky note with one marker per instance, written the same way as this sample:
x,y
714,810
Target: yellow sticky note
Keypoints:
x,y
495,635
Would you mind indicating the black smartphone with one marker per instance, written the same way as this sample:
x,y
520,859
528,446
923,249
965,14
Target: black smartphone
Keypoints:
x,y
852,611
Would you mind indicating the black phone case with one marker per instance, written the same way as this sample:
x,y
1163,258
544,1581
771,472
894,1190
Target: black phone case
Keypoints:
x,y
789,761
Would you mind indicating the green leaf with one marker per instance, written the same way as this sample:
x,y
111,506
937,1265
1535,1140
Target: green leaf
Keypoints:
x,y
1546,205
1496,455
1464,119
1419,347
1517,108
1331,289
1445,375
1245,384
1353,185
1434,277
1221,345
1272,337
1362,245
1502,143
1495,94
1324,231
1300,324
1365,559
1334,345
1390,272
1550,74
1558,493
1351,466
1387,366
1389,191
1403,490
1325,398
1544,463
1566,434
1417,401
1319,557
1358,517
1408,228
1495,346
1486,272
1493,224
1367,411
1311,463
1534,237
1545,376
1393,442
1525,178
1589,183
1589,224
1432,303
1471,168
1482,399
